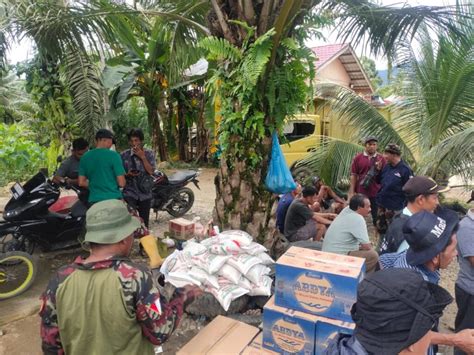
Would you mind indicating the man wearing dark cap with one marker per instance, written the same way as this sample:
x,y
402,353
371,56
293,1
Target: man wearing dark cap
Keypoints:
x,y
364,170
101,169
432,244
394,314
421,193
106,304
390,198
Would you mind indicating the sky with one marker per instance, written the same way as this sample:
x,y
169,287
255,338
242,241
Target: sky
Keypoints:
x,y
24,50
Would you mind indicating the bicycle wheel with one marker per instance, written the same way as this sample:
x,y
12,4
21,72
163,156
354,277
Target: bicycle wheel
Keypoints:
x,y
17,273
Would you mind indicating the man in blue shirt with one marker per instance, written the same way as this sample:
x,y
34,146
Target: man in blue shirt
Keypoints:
x,y
283,204
390,198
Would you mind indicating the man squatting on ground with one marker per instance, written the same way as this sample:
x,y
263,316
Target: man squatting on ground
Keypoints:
x,y
348,234
301,223
106,304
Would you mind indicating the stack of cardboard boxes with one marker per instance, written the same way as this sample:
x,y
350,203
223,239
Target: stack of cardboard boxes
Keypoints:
x,y
314,294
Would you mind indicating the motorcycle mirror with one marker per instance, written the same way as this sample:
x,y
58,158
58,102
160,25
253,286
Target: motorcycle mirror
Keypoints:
x,y
59,159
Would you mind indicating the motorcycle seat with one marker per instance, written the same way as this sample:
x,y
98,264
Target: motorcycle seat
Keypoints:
x,y
181,176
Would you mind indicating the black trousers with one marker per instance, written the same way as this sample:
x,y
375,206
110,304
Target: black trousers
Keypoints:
x,y
465,317
373,209
142,207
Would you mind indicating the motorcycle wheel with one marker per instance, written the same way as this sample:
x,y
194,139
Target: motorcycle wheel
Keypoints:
x,y
8,243
182,201
17,273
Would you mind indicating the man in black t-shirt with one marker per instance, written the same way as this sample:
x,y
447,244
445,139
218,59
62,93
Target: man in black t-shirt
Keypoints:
x,y
300,221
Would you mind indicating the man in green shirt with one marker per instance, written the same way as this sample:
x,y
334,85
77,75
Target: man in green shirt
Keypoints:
x,y
101,169
348,235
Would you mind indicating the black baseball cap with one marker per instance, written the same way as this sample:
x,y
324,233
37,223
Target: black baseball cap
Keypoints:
x,y
393,148
395,308
370,138
422,185
428,234
105,134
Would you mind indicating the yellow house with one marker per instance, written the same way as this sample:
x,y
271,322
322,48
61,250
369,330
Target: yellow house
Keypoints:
x,y
335,63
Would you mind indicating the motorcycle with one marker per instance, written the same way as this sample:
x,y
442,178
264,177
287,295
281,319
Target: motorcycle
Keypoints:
x,y
170,193
36,215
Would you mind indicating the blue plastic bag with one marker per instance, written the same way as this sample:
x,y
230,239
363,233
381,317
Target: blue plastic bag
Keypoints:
x,y
279,179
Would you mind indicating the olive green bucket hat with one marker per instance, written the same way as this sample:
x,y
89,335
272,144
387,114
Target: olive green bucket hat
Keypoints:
x,y
109,222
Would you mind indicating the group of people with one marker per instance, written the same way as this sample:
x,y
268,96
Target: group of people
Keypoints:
x,y
105,303
414,232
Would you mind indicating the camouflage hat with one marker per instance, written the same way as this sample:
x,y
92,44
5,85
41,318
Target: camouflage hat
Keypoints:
x,y
109,222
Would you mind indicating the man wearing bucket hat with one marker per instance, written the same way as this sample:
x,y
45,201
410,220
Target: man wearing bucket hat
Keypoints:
x,y
421,193
432,241
364,170
390,198
394,314
105,304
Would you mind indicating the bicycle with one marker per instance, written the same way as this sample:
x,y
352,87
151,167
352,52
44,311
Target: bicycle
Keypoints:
x,y
17,273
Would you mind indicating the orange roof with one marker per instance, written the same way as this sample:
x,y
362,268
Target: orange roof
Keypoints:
x,y
327,52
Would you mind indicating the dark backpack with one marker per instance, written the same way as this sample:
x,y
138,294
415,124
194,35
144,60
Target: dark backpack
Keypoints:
x,y
394,236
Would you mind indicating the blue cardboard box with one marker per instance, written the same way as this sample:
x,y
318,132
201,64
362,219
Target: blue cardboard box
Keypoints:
x,y
323,284
287,331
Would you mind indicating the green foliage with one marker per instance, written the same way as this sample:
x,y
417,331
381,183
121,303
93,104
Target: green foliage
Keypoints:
x,y
132,114
255,98
371,71
20,155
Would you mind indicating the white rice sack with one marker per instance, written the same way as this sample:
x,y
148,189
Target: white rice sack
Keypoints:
x,y
254,249
263,288
241,237
225,247
203,277
209,241
265,258
243,262
226,293
211,263
257,272
244,283
181,279
192,249
174,262
230,273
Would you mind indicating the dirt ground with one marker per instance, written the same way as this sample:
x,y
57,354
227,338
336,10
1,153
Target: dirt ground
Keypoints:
x,y
21,337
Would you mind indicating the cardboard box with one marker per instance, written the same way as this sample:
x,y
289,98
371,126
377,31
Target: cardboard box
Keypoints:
x,y
321,256
222,336
318,284
256,348
181,228
287,331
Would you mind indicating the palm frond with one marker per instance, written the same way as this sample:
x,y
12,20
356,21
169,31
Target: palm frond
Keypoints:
x,y
382,27
85,85
454,155
220,50
361,114
331,160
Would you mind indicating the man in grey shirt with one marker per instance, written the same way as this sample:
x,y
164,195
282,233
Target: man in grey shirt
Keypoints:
x,y
68,171
348,233
464,289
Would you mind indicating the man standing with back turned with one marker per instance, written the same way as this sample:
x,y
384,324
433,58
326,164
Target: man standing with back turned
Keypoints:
x,y
101,169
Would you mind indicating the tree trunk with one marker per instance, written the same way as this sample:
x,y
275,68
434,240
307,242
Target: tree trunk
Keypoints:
x,y
158,141
182,130
242,200
202,134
